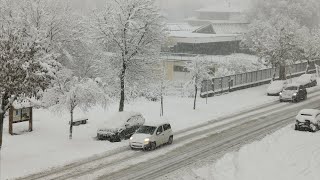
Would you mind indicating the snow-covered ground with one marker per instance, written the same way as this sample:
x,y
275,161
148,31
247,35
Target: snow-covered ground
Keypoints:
x,y
286,155
48,145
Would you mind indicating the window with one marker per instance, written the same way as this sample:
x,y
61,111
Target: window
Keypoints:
x,y
179,69
146,130
159,130
292,88
166,127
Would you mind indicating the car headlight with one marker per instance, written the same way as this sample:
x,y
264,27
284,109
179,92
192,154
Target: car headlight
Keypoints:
x,y
146,141
131,138
294,94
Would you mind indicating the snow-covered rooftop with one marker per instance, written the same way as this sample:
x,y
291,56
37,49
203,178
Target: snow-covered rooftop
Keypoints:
x,y
213,58
218,21
180,27
224,7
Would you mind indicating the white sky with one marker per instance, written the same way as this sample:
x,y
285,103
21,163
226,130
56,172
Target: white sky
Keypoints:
x,y
179,9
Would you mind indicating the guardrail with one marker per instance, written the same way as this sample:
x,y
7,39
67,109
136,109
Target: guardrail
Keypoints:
x,y
250,79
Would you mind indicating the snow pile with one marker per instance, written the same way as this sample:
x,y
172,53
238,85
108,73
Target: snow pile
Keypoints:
x,y
285,155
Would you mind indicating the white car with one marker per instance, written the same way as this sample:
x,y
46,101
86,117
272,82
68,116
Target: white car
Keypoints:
x,y
276,87
150,136
308,120
307,80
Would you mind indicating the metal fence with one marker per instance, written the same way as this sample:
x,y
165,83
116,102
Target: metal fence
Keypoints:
x,y
251,79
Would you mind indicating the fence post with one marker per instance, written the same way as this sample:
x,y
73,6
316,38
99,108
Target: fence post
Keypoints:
x,y
221,84
213,87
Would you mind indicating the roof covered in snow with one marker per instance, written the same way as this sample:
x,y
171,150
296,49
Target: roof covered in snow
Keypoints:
x,y
181,27
220,8
196,38
213,58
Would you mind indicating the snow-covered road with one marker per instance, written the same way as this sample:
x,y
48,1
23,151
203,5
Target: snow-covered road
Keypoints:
x,y
208,140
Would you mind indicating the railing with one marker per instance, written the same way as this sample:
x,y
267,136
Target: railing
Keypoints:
x,y
251,79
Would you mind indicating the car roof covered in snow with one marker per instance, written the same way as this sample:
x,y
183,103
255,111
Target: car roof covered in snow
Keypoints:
x,y
308,114
312,112
276,86
119,119
305,78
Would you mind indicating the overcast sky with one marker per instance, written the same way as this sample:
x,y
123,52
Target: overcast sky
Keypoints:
x,y
179,9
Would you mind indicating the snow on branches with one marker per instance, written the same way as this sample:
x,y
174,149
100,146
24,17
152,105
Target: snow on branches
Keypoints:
x,y
199,71
133,31
69,92
26,65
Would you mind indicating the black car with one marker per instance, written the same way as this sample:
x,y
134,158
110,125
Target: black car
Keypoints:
x,y
294,93
120,126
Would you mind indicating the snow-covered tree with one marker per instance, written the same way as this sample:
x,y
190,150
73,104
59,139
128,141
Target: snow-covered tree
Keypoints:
x,y
305,12
199,70
309,45
276,27
274,40
70,92
25,65
132,30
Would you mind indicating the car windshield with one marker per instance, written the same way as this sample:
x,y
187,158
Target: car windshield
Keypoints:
x,y
292,88
146,130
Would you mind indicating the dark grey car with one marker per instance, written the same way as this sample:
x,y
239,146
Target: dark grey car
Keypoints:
x,y
294,93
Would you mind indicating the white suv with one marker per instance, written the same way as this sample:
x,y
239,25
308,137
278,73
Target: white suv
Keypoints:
x,y
148,137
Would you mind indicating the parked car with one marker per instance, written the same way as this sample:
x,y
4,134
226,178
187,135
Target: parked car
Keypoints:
x,y
150,136
294,93
307,80
120,126
276,87
308,120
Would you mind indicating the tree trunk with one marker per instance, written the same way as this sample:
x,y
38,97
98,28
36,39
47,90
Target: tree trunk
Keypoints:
x,y
71,124
1,127
161,110
121,106
2,115
195,96
308,67
282,72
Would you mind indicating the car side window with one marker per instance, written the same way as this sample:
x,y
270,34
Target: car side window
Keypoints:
x,y
159,130
166,127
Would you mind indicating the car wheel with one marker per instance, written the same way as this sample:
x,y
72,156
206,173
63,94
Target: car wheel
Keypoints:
x,y
305,97
153,146
296,127
281,100
313,128
170,140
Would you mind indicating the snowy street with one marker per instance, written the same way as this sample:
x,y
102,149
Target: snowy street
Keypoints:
x,y
206,143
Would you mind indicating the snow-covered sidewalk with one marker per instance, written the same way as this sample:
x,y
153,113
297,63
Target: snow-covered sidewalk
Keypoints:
x,y
286,155
48,145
